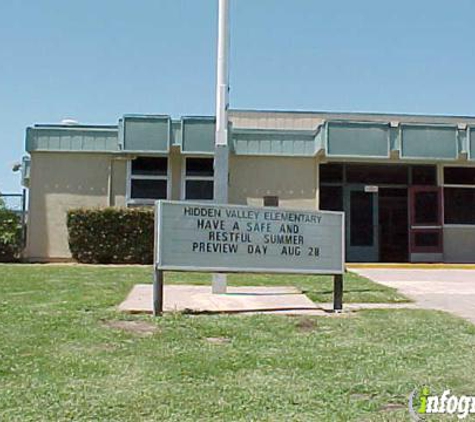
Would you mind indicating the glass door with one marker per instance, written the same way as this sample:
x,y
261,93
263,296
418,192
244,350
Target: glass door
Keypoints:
x,y
361,209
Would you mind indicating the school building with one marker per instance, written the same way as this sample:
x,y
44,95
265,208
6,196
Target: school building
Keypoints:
x,y
405,182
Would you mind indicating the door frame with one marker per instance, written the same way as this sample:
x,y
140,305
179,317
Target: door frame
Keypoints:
x,y
416,229
361,253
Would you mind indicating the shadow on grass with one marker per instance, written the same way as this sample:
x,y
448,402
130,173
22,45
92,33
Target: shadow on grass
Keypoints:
x,y
328,292
264,294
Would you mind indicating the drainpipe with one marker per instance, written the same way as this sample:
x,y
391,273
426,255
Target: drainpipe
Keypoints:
x,y
109,183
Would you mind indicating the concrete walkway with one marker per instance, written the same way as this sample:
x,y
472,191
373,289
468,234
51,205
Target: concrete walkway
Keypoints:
x,y
450,290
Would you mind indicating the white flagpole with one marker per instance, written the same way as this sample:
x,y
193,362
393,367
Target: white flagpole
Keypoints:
x,y
221,156
222,83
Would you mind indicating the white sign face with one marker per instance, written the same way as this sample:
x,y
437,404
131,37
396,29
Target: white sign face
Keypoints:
x,y
231,238
371,189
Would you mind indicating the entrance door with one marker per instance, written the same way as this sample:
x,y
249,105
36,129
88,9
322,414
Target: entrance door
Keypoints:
x,y
426,223
393,225
361,209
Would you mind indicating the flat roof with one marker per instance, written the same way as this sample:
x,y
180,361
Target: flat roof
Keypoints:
x,y
355,114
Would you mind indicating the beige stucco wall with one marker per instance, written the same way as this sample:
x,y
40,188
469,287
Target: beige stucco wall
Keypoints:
x,y
459,244
118,187
60,181
293,180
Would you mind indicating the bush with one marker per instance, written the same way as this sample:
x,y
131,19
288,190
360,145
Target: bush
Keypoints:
x,y
10,236
111,235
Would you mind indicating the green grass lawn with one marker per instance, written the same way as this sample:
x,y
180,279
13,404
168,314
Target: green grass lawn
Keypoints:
x,y
66,354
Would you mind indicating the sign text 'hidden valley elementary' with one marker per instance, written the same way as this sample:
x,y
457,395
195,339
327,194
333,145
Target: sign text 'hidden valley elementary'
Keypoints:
x,y
229,238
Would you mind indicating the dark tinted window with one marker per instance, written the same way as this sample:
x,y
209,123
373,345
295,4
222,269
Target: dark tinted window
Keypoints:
x,y
361,219
459,206
271,201
393,193
426,239
199,167
377,174
459,175
331,198
150,166
426,208
331,173
424,175
199,189
148,189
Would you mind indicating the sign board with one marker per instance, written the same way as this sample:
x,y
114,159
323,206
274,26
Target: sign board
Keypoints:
x,y
371,189
231,238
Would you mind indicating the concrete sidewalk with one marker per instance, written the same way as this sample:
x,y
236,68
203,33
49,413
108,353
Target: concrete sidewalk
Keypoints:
x,y
450,290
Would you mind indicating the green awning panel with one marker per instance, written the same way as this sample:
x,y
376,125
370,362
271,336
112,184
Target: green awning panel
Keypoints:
x,y
340,139
274,142
471,143
197,135
351,139
146,133
429,142
71,138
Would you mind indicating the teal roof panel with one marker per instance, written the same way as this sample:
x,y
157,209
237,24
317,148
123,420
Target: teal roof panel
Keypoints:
x,y
435,142
470,142
72,138
198,135
146,133
357,139
275,142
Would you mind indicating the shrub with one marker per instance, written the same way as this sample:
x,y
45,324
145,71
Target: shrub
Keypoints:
x,y
10,236
111,235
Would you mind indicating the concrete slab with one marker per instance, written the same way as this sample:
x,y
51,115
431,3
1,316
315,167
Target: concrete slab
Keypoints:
x,y
450,290
285,300
179,298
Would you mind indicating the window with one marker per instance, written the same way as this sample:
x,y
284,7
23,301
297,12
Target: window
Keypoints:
x,y
331,187
271,201
459,195
459,205
459,175
199,178
148,180
379,174
331,173
426,241
376,174
426,208
424,175
331,198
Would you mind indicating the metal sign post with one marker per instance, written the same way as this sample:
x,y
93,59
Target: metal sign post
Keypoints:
x,y
338,293
157,292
